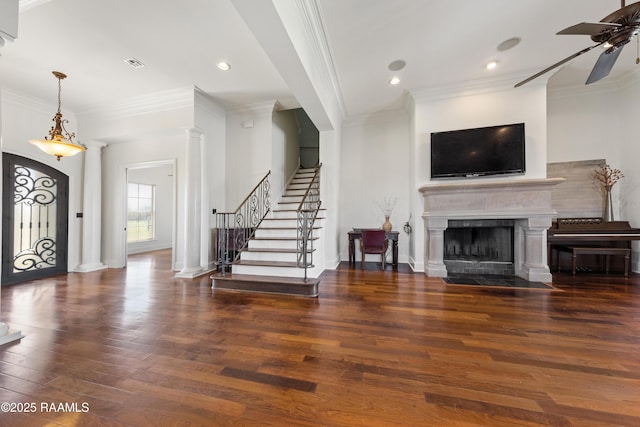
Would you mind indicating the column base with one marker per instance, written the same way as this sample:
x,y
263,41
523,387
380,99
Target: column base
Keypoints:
x,y
192,273
7,335
435,270
535,274
86,268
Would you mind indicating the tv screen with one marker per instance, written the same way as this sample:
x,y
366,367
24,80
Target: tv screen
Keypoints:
x,y
493,150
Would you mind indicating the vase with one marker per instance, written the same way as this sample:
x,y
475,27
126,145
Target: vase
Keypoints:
x,y
607,215
387,225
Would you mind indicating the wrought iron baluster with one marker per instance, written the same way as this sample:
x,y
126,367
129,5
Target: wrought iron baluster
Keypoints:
x,y
235,229
307,214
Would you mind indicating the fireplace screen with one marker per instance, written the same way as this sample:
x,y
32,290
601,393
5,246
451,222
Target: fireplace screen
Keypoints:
x,y
479,240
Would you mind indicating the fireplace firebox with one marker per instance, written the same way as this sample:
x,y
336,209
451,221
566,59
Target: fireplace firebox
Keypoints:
x,y
482,246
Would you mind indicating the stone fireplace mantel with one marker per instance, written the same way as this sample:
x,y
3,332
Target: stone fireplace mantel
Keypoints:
x,y
526,201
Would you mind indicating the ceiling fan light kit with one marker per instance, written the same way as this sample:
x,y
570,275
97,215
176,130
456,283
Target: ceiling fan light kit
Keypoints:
x,y
614,32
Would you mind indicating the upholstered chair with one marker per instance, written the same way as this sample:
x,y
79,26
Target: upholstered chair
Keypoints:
x,y
374,242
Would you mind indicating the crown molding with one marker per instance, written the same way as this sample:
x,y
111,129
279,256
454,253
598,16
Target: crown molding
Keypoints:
x,y
567,91
206,102
31,103
317,32
150,103
257,107
25,5
475,87
383,116
378,118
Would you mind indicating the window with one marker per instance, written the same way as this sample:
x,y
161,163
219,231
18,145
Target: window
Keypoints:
x,y
141,212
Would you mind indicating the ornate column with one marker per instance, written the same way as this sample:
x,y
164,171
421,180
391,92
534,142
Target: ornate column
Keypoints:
x,y
192,206
92,209
535,262
434,247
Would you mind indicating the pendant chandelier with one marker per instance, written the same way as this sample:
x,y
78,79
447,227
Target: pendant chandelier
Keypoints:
x,y
56,144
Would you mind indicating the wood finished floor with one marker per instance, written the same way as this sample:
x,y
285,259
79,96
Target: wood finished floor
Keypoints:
x,y
140,348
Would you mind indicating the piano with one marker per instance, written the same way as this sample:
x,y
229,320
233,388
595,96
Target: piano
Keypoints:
x,y
588,232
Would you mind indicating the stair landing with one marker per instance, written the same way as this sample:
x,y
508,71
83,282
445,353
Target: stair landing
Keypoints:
x,y
266,284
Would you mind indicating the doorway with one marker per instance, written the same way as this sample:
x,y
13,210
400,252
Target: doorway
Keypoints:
x,y
150,215
35,206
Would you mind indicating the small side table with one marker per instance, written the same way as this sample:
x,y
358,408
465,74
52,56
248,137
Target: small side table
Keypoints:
x,y
391,235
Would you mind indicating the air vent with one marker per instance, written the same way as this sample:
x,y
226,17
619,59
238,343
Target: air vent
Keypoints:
x,y
135,63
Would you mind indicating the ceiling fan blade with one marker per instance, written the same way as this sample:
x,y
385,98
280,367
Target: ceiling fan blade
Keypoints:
x,y
604,65
589,28
557,64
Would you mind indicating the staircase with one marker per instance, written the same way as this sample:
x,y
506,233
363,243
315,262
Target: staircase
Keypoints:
x,y
270,261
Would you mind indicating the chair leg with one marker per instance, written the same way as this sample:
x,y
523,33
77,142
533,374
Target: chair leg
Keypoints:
x,y
362,259
383,260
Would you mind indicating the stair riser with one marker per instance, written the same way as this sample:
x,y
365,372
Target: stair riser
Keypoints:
x,y
299,186
288,206
288,233
269,256
272,244
280,223
287,223
272,271
291,214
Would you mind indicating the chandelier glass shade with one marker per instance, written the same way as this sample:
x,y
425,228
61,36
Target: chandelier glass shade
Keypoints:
x,y
59,143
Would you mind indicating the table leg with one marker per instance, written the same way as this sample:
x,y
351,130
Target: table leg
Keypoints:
x,y
352,252
395,254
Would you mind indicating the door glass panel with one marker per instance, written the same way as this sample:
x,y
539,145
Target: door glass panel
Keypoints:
x,y
35,220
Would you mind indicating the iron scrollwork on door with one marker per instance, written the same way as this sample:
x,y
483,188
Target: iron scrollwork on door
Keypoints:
x,y
34,200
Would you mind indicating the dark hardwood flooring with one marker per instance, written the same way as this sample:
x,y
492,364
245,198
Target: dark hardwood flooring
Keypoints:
x,y
136,347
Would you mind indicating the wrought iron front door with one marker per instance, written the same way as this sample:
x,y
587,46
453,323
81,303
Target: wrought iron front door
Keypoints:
x,y
35,205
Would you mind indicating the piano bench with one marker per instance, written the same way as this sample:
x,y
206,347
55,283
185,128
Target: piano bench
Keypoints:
x,y
597,250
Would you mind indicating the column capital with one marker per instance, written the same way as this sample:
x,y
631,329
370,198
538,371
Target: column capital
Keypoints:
x,y
194,132
94,145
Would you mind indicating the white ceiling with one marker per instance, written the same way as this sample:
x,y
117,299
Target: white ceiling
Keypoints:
x,y
444,43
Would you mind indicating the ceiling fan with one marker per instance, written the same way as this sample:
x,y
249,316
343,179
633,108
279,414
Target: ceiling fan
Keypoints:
x,y
614,31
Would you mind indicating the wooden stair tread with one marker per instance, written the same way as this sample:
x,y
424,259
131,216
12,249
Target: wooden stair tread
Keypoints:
x,y
281,238
274,250
262,278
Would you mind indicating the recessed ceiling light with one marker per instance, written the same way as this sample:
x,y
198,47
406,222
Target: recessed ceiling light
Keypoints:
x,y
224,66
509,44
394,80
397,65
492,65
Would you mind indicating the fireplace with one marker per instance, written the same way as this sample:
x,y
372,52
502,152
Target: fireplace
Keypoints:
x,y
525,204
482,246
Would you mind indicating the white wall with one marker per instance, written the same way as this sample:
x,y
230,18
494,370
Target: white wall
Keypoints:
x,y
584,123
600,122
162,177
375,164
248,151
629,187
285,149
